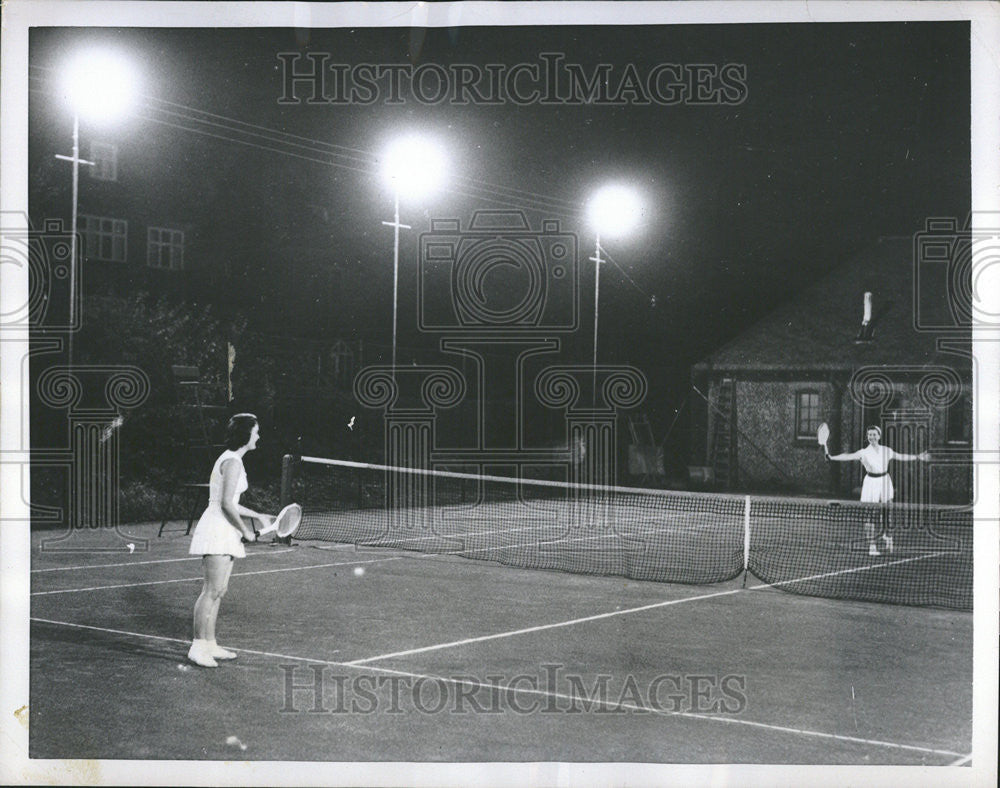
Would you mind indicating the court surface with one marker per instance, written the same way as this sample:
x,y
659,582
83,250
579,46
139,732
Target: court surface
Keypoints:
x,y
426,657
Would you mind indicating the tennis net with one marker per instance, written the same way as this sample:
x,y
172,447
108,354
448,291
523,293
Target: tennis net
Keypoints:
x,y
814,547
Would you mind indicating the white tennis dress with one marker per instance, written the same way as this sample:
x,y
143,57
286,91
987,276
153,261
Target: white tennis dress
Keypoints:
x,y
214,534
876,489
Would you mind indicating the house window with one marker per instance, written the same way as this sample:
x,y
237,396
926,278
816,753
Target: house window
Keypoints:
x,y
807,414
104,237
959,421
342,361
105,158
165,248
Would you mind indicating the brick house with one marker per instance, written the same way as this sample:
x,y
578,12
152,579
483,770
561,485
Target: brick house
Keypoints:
x,y
760,398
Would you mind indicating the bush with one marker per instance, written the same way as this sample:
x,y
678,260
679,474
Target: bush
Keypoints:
x,y
154,333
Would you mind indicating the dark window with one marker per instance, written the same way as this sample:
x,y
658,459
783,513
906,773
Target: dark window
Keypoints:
x,y
165,248
104,237
105,159
807,414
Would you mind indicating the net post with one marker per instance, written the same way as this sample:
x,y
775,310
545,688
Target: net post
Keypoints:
x,y
287,473
746,539
287,477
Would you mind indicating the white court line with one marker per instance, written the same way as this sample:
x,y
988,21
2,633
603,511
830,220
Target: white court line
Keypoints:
x,y
962,761
467,682
848,571
540,627
600,616
140,563
175,640
193,579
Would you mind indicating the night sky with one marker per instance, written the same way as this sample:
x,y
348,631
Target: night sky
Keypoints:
x,y
847,132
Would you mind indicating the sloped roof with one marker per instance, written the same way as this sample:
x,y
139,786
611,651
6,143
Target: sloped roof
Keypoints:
x,y
817,328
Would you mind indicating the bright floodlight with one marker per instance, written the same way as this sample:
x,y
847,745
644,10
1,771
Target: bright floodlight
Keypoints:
x,y
614,210
98,85
414,166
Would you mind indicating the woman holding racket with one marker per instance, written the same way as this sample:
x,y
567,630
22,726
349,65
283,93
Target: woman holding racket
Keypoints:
x,y
877,485
218,538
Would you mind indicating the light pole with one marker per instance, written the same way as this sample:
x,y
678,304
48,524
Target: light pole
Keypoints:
x,y
613,210
99,86
413,167
77,161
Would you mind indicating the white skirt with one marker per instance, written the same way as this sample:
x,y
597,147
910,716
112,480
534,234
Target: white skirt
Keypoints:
x,y
215,535
877,489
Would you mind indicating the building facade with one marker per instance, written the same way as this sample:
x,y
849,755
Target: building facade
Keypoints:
x,y
850,352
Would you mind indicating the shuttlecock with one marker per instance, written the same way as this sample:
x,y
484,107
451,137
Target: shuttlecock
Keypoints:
x,y
358,571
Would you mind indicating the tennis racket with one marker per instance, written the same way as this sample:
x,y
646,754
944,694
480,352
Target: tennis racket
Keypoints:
x,y
286,523
823,435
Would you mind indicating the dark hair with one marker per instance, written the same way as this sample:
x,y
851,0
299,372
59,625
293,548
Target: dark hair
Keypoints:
x,y
238,430
875,427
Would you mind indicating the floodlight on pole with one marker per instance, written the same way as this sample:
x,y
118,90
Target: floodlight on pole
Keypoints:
x,y
613,211
413,167
96,85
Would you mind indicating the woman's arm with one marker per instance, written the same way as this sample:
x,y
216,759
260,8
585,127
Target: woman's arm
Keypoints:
x,y
245,512
854,455
264,519
230,481
923,456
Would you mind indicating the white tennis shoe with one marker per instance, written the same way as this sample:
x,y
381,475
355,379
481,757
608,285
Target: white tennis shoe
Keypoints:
x,y
217,651
200,654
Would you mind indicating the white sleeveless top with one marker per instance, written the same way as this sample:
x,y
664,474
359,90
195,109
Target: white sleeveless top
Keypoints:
x,y
876,460
215,481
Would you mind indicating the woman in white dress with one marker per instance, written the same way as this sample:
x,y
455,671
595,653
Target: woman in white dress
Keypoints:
x,y
219,535
877,485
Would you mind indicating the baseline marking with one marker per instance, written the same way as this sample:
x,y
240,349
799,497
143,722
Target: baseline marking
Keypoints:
x,y
545,693
182,641
193,579
140,563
